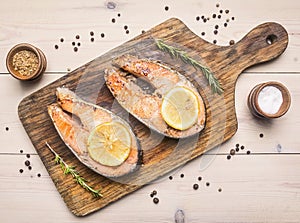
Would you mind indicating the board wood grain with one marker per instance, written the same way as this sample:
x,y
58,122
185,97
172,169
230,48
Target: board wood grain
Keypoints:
x,y
161,155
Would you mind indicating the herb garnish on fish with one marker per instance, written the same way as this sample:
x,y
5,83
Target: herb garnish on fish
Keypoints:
x,y
71,170
177,53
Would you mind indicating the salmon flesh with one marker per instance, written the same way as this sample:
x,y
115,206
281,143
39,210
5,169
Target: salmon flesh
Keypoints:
x,y
75,131
145,106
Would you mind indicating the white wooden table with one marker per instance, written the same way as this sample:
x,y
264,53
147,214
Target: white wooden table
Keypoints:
x,y
263,186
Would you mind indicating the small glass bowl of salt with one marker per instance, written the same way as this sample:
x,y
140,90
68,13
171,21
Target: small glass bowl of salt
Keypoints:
x,y
269,100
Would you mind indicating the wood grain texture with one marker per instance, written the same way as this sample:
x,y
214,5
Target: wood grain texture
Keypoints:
x,y
225,62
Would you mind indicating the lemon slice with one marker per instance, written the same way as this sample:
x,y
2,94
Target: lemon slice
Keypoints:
x,y
109,143
180,108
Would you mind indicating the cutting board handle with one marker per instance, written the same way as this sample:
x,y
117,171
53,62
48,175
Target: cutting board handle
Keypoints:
x,y
263,43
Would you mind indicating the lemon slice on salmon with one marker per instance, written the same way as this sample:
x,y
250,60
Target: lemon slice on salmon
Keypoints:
x,y
180,108
109,143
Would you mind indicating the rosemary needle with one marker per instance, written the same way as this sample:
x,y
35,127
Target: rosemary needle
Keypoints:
x,y
177,53
71,170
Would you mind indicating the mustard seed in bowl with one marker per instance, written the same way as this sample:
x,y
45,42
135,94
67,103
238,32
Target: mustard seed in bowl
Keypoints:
x,y
25,62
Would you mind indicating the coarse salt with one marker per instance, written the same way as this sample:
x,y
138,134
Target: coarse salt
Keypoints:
x,y
270,99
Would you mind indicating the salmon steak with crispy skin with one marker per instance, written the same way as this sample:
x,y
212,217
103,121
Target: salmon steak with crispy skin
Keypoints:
x,y
146,107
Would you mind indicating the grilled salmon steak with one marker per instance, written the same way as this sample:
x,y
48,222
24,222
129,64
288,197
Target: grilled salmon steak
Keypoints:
x,y
147,107
89,120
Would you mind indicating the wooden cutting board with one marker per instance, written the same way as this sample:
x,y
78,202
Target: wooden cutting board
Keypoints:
x,y
161,155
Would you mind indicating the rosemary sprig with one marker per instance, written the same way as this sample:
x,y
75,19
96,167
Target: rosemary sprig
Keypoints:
x,y
71,170
177,53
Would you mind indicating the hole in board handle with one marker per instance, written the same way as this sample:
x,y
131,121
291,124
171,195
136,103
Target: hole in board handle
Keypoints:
x,y
271,39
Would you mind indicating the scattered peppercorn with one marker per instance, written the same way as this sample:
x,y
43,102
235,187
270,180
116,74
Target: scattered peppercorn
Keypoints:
x,y
170,178
231,42
91,33
232,18
215,41
214,16
199,178
78,44
39,175
242,147
197,18
29,167
62,40
225,24
261,135
207,184
75,49
217,5
77,37
216,27
166,8
237,145
226,11
92,39
125,27
155,200
232,152
195,186
219,16
102,35
119,14
27,163
221,11
127,31
21,170
113,20
248,152
215,32
143,31
220,189
203,33
6,128
182,175
237,149
228,157
21,151
154,192
73,43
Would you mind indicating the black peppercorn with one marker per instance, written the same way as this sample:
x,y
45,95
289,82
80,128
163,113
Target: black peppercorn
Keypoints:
x,y
155,200
27,163
195,186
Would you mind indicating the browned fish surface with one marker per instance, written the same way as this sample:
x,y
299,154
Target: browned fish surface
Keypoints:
x,y
144,106
75,134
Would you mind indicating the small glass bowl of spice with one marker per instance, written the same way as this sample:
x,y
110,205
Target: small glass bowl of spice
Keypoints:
x,y
269,100
26,62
